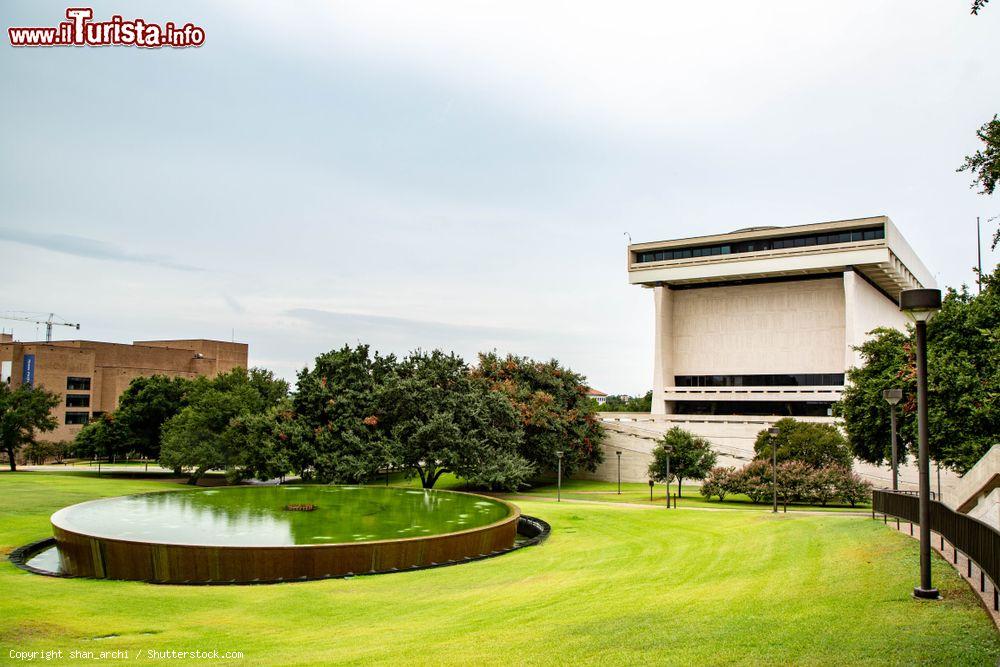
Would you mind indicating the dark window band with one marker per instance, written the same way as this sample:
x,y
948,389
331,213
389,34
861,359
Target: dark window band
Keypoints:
x,y
802,241
794,380
754,408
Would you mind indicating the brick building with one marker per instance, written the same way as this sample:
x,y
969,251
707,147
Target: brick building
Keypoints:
x,y
89,376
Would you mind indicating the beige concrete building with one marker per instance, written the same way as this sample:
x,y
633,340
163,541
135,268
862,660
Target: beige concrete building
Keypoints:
x,y
759,324
763,321
89,376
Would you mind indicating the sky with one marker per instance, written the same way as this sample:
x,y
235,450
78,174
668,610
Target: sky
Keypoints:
x,y
465,175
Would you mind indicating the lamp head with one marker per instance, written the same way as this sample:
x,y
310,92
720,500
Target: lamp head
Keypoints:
x,y
774,431
920,304
559,454
618,453
892,396
652,483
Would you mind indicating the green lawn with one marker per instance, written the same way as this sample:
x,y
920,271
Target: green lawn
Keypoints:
x,y
613,585
635,493
691,497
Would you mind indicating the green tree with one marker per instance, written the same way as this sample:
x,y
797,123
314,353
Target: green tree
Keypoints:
x,y
104,437
266,442
555,412
199,437
336,406
865,413
145,406
23,412
438,418
963,374
816,445
690,457
627,404
984,164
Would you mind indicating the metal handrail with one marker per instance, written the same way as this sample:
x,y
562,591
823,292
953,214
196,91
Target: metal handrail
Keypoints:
x,y
979,541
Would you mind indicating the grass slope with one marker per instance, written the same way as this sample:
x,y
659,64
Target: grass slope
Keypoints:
x,y
612,585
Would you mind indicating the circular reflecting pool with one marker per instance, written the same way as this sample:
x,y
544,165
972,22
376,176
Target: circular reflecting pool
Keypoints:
x,y
277,533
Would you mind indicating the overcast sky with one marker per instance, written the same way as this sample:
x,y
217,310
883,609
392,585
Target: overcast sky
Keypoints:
x,y
461,174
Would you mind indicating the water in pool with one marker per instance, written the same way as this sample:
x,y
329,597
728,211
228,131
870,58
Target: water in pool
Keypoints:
x,y
259,516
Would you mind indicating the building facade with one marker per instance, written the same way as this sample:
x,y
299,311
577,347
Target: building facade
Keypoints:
x,y
760,324
89,376
764,321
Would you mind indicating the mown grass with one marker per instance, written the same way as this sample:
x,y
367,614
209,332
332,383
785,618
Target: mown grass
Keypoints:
x,y
635,493
613,585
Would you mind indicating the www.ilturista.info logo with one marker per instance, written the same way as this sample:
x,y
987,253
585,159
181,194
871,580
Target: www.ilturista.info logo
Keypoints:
x,y
79,30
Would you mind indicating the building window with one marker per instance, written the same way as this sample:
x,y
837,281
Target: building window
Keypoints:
x,y
77,384
773,380
801,241
77,400
77,417
755,408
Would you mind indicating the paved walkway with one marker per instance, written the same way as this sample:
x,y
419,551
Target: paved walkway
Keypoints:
x,y
611,503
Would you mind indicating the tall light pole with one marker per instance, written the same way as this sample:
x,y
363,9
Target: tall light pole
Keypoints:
x,y
920,305
892,397
619,472
773,435
668,479
559,456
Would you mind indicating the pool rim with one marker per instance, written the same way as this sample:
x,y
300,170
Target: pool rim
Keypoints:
x,y
513,514
20,557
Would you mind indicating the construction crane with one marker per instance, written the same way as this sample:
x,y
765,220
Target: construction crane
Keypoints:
x,y
49,322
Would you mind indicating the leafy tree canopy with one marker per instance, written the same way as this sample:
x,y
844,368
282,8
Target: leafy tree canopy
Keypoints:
x,y
553,409
23,412
984,164
201,437
438,418
690,457
963,374
626,404
816,445
145,406
336,403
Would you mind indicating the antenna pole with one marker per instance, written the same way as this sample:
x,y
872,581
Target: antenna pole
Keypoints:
x,y
979,255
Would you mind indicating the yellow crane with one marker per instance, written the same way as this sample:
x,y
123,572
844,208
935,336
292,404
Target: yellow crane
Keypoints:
x,y
48,322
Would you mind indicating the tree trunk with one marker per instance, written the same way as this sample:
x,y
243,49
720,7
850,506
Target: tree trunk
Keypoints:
x,y
433,478
196,475
680,481
10,457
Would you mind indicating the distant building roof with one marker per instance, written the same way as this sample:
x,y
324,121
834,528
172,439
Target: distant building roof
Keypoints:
x,y
595,392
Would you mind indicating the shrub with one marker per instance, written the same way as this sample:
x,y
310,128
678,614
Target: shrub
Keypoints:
x,y
794,481
852,489
719,482
798,482
754,480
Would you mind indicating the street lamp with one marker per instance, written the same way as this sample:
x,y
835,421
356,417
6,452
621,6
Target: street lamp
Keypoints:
x,y
892,397
559,456
619,472
773,433
668,478
920,306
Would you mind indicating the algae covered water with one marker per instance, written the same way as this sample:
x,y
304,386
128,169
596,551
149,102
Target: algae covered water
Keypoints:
x,y
281,515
